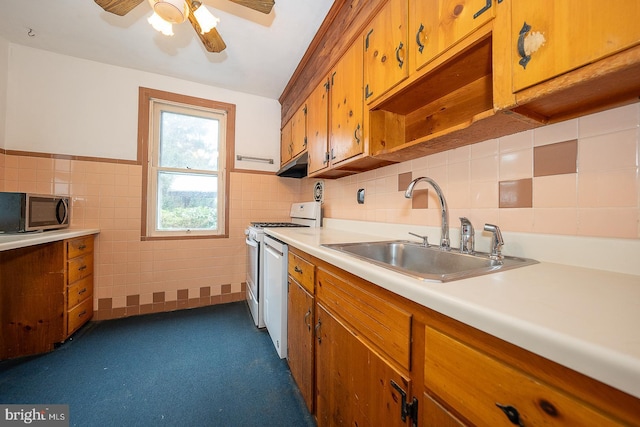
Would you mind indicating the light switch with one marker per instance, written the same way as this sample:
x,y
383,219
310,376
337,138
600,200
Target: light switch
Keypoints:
x,y
360,196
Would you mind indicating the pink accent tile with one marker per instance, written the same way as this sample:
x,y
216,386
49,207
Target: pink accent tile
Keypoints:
x,y
555,159
516,194
559,191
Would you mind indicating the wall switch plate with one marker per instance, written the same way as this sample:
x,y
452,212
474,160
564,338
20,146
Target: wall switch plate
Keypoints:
x,y
360,196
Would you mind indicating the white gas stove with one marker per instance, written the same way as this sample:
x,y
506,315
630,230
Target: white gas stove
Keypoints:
x,y
307,214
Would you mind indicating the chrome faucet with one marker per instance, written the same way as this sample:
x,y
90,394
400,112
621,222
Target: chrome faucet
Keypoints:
x,y
467,237
444,232
496,242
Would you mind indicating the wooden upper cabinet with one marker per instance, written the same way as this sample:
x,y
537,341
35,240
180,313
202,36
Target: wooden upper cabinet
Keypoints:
x,y
552,37
299,131
318,128
385,49
286,145
346,136
436,25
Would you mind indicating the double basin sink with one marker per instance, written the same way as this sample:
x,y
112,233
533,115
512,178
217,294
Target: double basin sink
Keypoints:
x,y
428,262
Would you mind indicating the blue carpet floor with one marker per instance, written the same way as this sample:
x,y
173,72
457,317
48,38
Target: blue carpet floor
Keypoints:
x,y
208,366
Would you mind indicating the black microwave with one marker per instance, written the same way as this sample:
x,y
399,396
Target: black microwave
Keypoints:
x,y
21,212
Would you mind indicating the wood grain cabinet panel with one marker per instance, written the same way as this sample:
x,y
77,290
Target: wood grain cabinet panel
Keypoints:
x,y
300,334
318,128
386,325
487,391
385,50
355,384
436,25
79,289
553,37
302,271
32,298
346,112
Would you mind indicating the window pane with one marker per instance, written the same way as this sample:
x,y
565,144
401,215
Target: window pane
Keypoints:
x,y
187,202
188,141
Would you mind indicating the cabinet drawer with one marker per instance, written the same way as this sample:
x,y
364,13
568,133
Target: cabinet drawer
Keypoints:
x,y
80,267
79,291
79,315
302,271
387,326
78,247
474,383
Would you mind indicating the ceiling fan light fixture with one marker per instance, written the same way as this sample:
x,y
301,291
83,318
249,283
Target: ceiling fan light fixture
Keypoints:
x,y
172,11
205,19
160,24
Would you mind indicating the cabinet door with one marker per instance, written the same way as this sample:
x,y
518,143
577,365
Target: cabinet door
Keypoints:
x,y
299,131
436,25
354,383
552,37
286,145
300,339
346,135
486,391
385,47
318,128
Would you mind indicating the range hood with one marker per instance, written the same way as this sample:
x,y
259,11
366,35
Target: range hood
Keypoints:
x,y
295,168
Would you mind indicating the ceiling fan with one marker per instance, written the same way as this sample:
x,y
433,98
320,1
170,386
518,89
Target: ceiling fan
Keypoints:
x,y
167,12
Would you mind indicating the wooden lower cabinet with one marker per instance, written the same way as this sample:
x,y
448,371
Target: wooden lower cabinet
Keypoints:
x,y
375,350
79,290
46,294
300,351
355,384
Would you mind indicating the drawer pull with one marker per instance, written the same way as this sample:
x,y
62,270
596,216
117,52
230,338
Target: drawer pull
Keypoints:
x,y
418,41
82,247
83,267
318,325
82,313
82,291
512,414
297,269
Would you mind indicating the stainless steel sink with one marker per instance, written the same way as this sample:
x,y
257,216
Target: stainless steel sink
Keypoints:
x,y
428,262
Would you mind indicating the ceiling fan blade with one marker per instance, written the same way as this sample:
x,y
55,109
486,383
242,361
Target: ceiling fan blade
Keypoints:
x,y
211,40
263,6
118,7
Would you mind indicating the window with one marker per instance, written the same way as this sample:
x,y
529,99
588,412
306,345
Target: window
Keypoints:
x,y
186,144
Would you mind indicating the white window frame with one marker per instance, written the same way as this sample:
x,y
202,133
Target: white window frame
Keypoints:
x,y
151,104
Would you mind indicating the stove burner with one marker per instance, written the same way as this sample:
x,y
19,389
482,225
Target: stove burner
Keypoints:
x,y
275,224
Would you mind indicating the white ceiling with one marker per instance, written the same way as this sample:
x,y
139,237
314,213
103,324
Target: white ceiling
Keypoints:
x,y
262,50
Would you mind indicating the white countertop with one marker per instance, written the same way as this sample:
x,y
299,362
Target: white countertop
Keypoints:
x,y
582,318
21,240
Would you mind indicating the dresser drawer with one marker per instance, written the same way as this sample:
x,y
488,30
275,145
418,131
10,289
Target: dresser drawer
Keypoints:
x,y
386,325
79,315
79,247
474,384
80,267
302,271
79,291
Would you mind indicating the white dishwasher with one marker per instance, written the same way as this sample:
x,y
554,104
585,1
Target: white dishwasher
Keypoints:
x,y
275,292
